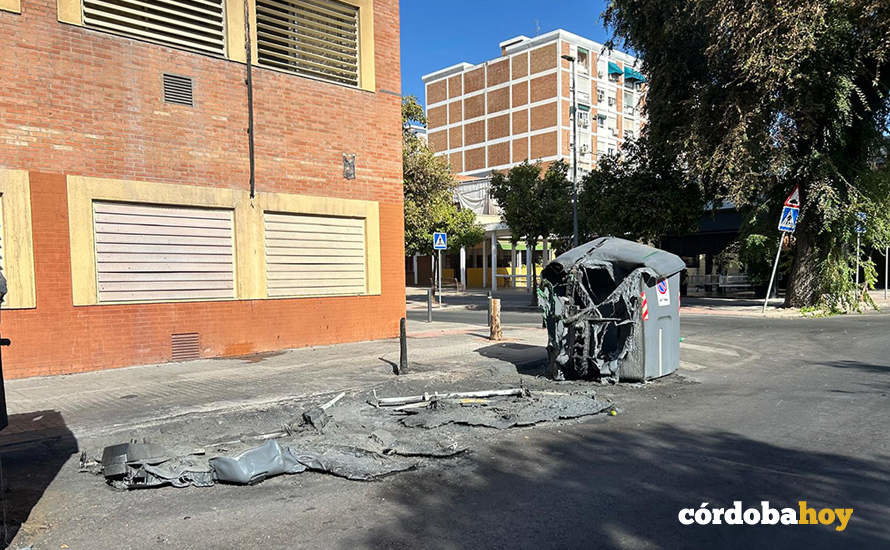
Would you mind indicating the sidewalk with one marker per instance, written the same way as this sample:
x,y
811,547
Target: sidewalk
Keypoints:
x,y
97,405
518,300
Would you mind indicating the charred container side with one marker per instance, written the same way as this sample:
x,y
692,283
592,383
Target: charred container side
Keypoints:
x,y
611,307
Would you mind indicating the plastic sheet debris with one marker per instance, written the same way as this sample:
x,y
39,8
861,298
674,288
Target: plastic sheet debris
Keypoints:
x,y
142,465
591,299
506,414
360,443
318,417
352,462
426,397
255,465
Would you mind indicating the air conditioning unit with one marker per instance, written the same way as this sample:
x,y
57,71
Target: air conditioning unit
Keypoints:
x,y
611,101
584,150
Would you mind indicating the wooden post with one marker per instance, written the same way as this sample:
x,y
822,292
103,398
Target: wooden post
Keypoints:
x,y
494,320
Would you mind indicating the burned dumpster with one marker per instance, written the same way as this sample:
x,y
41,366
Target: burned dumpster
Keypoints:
x,y
611,307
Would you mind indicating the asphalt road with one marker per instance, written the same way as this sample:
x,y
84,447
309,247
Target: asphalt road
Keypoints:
x,y
774,410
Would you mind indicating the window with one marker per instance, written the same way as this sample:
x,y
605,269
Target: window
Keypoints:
x,y
611,101
613,77
583,59
583,119
599,96
147,252
601,121
196,25
309,255
316,38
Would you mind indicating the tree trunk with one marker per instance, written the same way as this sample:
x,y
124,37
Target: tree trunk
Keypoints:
x,y
803,283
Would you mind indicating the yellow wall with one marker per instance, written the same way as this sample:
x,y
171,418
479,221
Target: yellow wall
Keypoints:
x,y
70,11
250,262
18,245
14,6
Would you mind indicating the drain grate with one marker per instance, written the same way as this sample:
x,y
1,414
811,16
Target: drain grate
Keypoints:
x,y
185,346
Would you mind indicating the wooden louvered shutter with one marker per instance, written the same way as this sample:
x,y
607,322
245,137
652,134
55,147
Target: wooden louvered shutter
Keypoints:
x,y
317,38
190,24
314,255
159,253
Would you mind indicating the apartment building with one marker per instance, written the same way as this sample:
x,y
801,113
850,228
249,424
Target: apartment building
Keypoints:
x,y
517,107
137,223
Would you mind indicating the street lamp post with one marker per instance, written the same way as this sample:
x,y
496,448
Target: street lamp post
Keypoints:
x,y
571,59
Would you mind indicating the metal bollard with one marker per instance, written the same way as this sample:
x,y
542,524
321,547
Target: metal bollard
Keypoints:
x,y
488,308
429,305
403,347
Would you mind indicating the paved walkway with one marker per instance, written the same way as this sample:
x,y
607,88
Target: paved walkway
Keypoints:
x,y
97,404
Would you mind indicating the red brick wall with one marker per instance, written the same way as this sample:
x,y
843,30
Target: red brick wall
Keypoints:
x,y
82,102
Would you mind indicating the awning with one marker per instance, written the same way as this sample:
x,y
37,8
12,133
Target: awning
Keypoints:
x,y
520,246
583,107
614,68
631,74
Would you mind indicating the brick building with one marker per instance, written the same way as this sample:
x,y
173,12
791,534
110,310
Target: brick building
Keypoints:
x,y
129,231
518,107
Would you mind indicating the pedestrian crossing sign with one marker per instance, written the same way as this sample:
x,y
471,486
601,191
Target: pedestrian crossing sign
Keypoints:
x,y
788,221
440,241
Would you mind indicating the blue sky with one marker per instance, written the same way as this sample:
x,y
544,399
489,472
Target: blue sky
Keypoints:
x,y
439,33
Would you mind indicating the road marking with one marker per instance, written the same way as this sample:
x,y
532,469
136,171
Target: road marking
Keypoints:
x,y
709,349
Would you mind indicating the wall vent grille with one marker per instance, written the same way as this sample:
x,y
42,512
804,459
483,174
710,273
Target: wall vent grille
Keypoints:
x,y
185,346
179,90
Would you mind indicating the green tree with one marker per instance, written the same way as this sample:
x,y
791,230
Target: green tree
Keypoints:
x,y
756,97
639,195
533,204
428,184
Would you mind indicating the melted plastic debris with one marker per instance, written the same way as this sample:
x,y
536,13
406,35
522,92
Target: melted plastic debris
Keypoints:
x,y
505,414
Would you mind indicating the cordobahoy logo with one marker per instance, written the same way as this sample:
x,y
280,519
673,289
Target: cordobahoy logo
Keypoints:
x,y
766,515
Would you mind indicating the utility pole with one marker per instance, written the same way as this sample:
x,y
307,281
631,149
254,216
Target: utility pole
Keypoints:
x,y
571,59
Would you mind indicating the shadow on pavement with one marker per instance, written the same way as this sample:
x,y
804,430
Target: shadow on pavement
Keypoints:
x,y
578,488
855,365
527,359
33,449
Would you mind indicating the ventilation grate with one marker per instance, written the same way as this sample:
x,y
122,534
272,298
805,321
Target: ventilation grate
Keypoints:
x,y
179,90
185,346
197,25
317,38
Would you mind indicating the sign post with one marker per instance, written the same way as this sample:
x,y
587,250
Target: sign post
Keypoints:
x,y
787,223
440,243
860,229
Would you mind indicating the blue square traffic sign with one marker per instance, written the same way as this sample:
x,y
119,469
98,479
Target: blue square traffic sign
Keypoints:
x,y
788,221
440,241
